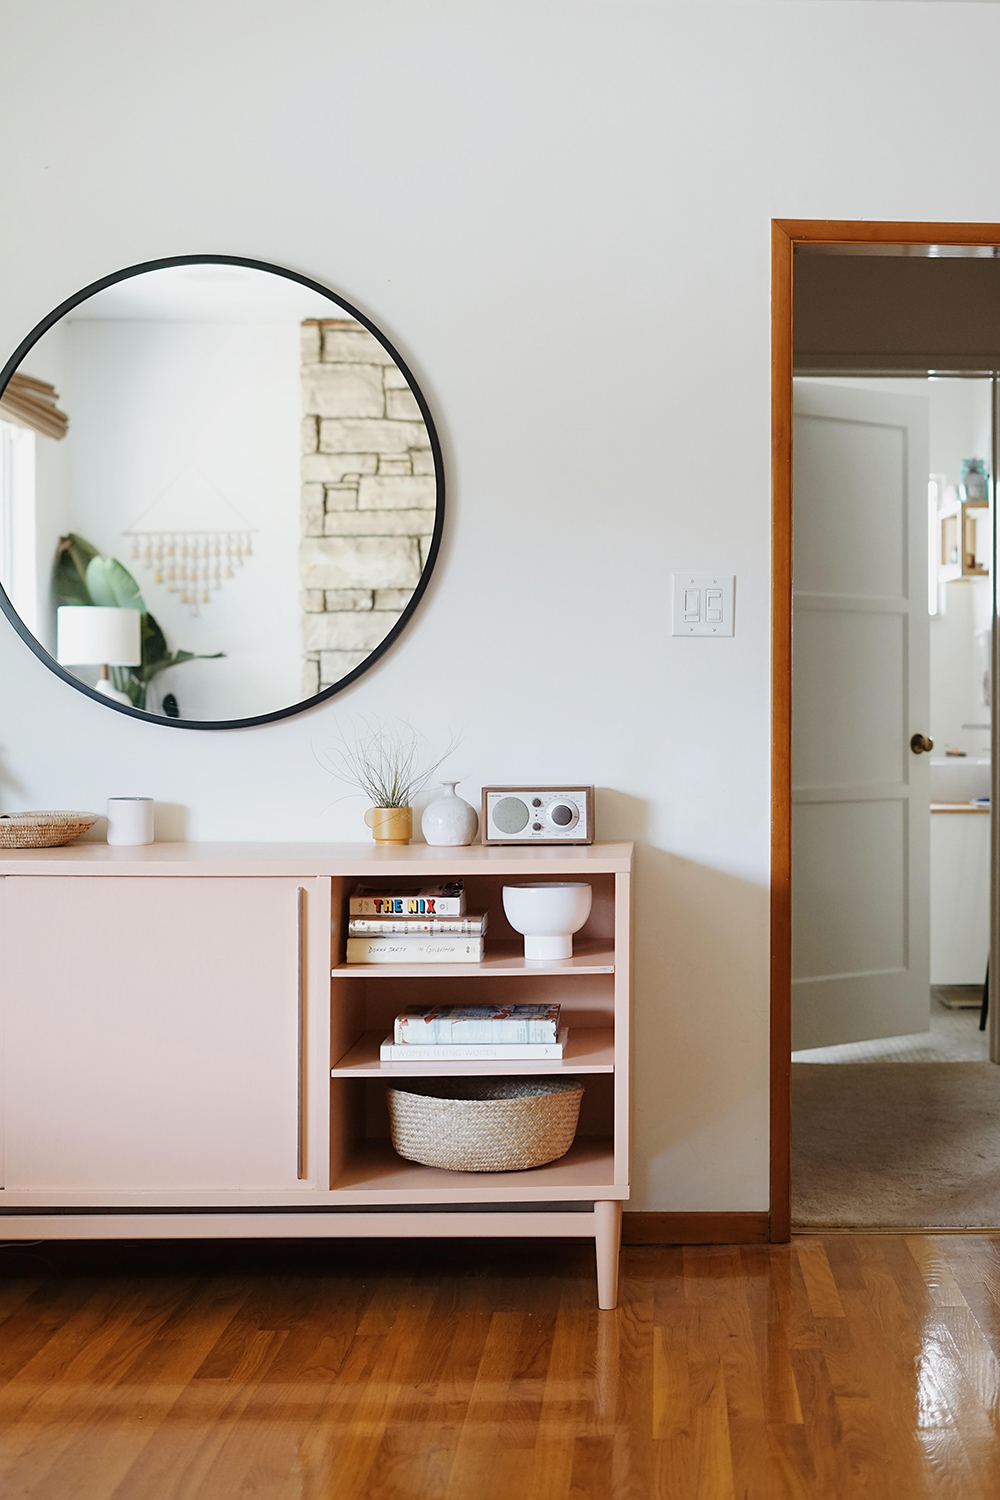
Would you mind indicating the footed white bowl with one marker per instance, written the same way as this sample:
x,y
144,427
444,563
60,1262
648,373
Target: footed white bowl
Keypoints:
x,y
547,913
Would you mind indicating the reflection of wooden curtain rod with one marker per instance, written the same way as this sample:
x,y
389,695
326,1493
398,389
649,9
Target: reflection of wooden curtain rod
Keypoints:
x,y
32,403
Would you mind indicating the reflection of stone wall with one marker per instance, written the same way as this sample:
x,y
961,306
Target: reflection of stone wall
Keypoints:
x,y
368,497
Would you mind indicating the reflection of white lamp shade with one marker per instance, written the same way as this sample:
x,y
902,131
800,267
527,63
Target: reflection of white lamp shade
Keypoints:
x,y
91,635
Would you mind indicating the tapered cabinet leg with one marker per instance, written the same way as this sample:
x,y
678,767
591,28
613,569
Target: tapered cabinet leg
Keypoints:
x,y
608,1238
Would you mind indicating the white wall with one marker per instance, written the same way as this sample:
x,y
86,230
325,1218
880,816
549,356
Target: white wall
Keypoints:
x,y
161,411
483,178
52,487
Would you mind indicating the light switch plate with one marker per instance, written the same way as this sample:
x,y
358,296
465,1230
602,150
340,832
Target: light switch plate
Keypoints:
x,y
703,603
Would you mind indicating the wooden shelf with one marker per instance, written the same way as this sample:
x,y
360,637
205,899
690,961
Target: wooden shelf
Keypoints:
x,y
959,807
375,1174
501,958
590,1049
354,862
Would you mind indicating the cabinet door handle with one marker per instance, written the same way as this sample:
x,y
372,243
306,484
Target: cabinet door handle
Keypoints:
x,y
300,926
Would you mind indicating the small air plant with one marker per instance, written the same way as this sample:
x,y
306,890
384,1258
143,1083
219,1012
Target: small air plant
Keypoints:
x,y
382,758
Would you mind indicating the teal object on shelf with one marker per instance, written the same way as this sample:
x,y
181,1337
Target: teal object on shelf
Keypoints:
x,y
974,481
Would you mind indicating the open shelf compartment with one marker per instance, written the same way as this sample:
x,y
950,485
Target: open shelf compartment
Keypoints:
x,y
502,957
592,990
373,1173
593,945
589,1049
363,1160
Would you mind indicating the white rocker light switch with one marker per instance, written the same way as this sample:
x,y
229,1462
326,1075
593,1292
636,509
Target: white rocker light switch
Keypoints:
x,y
703,603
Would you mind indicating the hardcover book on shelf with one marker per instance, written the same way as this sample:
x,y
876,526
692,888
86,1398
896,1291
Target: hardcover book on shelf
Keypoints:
x,y
445,900
470,1052
426,949
472,925
476,1025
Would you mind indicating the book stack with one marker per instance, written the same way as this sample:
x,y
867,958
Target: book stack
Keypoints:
x,y
476,1033
425,925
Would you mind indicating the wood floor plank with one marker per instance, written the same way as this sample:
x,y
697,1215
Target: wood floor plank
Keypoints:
x,y
132,1386
935,1268
293,1390
671,1385
346,1436
475,1455
838,1368
821,1288
976,1357
213,1409
557,1421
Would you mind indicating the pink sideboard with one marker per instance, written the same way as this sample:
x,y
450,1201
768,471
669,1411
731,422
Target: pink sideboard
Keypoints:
x,y
186,1053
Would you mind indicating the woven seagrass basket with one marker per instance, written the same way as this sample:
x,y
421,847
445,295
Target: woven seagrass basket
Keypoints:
x,y
485,1124
42,830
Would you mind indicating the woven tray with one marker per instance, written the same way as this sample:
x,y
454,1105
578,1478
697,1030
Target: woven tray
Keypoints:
x,y
42,830
485,1124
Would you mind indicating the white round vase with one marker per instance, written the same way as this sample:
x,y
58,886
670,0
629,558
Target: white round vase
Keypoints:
x,y
547,913
449,819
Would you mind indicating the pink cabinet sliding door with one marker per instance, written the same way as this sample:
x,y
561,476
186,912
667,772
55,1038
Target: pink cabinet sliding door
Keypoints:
x,y
153,1035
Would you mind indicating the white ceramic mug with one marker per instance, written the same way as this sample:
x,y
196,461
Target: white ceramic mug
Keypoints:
x,y
130,820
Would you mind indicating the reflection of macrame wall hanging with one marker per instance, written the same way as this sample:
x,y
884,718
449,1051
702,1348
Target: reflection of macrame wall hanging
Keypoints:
x,y
193,537
192,563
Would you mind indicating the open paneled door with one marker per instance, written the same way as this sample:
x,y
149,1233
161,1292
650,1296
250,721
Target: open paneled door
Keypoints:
x,y
860,675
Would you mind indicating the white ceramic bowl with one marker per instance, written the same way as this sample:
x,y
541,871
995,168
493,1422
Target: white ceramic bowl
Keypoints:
x,y
547,912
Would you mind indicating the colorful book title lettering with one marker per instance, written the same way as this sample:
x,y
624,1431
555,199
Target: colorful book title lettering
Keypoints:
x,y
407,906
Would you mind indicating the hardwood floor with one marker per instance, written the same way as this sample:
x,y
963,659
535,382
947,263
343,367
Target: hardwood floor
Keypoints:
x,y
839,1366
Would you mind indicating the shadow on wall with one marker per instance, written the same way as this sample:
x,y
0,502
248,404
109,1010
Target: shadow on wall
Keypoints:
x,y
170,822
701,1007
10,787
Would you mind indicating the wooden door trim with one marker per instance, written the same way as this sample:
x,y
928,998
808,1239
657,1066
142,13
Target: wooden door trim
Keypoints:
x,y
785,235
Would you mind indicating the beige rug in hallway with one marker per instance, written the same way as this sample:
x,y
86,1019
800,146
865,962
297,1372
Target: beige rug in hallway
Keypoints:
x,y
885,1145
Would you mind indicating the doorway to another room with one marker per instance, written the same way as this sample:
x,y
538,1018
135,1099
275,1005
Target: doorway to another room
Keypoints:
x,y
895,1117
883,849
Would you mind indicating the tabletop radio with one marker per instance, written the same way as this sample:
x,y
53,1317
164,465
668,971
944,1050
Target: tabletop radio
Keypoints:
x,y
538,815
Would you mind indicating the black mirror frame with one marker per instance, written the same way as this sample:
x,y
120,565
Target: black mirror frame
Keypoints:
x,y
383,646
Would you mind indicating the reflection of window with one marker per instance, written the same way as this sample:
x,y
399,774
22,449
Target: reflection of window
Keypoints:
x,y
935,499
17,520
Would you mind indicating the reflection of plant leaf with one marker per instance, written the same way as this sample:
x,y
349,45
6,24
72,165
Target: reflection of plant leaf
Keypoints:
x,y
154,642
69,575
111,585
149,670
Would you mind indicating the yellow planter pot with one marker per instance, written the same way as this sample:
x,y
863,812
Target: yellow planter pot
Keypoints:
x,y
390,825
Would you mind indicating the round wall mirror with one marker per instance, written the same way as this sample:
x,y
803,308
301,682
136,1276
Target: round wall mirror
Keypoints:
x,y
221,492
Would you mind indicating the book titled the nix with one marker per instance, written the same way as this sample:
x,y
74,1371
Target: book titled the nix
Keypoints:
x,y
476,1025
447,900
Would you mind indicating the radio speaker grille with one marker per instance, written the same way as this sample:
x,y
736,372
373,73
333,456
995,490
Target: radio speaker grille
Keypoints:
x,y
510,815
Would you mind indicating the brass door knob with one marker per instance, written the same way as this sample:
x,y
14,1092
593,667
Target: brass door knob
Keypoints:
x,y
921,743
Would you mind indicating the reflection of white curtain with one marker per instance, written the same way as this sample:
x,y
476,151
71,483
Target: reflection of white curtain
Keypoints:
x,y
32,403
17,521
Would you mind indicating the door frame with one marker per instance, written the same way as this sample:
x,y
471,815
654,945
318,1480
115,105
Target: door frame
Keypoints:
x,y
785,235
